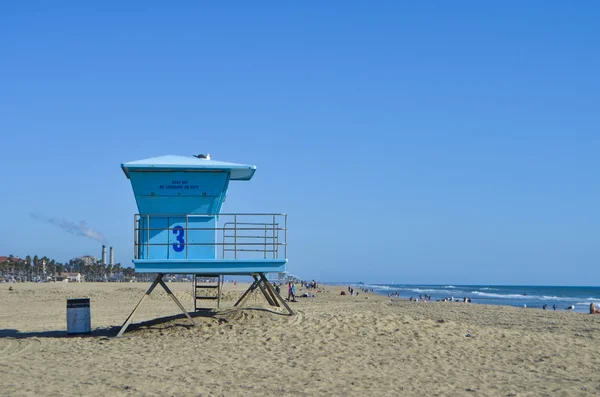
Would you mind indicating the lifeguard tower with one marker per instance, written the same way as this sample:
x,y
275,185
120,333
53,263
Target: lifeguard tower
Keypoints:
x,y
180,228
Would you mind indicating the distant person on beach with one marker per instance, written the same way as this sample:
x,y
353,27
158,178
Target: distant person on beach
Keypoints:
x,y
554,307
291,292
594,309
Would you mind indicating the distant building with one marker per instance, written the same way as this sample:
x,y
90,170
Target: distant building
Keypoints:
x,y
7,258
70,278
283,278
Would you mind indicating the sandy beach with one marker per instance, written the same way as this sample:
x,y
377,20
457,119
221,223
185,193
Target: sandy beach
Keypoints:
x,y
365,345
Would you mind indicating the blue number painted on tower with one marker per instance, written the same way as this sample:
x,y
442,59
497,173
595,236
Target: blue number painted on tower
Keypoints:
x,y
180,238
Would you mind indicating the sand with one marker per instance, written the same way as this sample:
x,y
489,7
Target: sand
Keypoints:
x,y
365,345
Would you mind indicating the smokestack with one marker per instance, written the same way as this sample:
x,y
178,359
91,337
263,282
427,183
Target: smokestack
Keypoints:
x,y
112,256
104,254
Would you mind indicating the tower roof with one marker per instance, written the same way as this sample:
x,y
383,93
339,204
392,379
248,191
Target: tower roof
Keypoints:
x,y
238,172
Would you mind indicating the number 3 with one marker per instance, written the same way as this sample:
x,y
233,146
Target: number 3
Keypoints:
x,y
180,238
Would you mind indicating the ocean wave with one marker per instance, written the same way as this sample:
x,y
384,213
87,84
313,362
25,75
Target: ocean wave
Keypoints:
x,y
434,291
418,290
559,298
555,298
449,286
384,287
569,299
504,296
492,295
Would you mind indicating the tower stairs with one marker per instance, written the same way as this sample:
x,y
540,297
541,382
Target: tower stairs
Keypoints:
x,y
207,287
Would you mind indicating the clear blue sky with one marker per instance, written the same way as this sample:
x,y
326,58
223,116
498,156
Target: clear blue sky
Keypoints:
x,y
434,142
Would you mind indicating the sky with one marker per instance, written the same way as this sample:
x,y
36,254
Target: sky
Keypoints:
x,y
409,142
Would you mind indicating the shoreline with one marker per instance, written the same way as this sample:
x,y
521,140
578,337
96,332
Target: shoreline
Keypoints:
x,y
481,295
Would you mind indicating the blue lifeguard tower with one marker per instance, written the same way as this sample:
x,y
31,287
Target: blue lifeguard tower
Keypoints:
x,y
180,228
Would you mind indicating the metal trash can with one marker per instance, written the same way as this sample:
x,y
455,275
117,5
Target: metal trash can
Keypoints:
x,y
78,316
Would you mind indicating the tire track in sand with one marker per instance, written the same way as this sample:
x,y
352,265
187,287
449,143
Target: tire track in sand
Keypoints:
x,y
15,347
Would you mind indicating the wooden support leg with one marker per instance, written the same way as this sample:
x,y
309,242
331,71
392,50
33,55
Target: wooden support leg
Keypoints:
x,y
273,292
263,289
194,294
157,280
270,291
248,291
219,291
162,283
128,321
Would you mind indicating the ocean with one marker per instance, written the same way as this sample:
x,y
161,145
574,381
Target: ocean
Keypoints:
x,y
504,295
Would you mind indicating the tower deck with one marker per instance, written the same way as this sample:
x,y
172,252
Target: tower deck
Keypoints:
x,y
223,244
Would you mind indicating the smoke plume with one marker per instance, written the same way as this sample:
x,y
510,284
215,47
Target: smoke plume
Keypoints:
x,y
78,229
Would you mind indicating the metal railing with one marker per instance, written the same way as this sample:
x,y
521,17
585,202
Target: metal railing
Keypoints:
x,y
241,236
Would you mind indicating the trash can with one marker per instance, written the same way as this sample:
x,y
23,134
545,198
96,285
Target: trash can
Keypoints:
x,y
78,316
278,289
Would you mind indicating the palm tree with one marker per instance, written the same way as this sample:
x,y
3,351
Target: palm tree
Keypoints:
x,y
52,269
129,272
10,265
36,261
44,265
3,268
117,271
27,267
69,266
